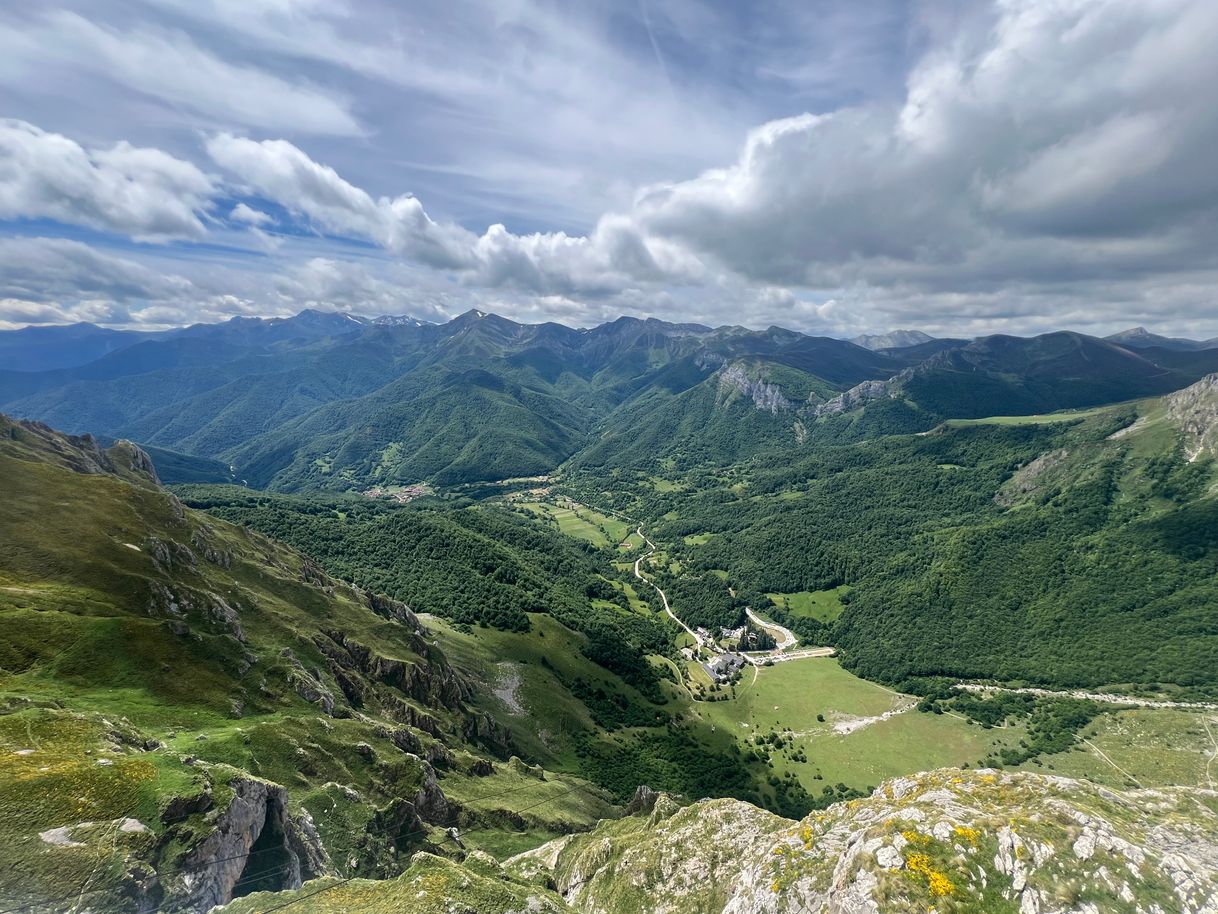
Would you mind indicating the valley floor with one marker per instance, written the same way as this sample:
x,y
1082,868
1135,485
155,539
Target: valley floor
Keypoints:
x,y
837,729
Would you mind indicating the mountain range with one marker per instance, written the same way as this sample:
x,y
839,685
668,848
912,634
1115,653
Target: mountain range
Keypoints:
x,y
482,696
331,400
196,714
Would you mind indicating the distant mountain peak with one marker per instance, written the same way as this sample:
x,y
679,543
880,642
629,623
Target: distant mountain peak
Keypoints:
x,y
1141,338
895,339
474,314
1135,336
317,314
398,320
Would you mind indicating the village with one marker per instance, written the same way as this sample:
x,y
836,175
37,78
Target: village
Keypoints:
x,y
400,494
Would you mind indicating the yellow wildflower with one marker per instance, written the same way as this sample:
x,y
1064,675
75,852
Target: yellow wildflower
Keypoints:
x,y
968,834
940,884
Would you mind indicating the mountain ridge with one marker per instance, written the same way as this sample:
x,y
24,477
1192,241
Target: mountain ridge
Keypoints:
x,y
192,711
334,401
959,841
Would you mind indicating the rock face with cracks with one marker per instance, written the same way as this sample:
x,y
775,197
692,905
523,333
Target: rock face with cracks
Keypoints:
x,y
1194,410
949,841
215,865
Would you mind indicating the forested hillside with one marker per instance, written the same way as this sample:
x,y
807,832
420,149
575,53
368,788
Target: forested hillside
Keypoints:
x,y
1068,551
337,402
222,698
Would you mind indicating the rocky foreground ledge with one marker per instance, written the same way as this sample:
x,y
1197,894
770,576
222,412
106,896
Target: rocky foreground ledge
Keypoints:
x,y
947,841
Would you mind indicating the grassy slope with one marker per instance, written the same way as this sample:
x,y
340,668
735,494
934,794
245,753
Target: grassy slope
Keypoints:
x,y
582,523
793,694
1143,748
92,672
822,605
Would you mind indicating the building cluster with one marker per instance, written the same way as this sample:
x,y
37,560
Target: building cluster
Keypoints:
x,y
724,666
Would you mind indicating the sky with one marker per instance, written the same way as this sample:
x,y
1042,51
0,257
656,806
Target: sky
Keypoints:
x,y
957,166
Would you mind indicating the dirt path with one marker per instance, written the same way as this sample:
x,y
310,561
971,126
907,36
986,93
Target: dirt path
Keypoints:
x,y
13,588
1104,755
1104,697
1213,755
802,654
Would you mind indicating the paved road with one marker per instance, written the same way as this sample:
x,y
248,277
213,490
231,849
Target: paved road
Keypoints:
x,y
786,637
701,642
756,658
780,654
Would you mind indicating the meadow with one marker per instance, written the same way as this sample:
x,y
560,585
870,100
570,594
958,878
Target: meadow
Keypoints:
x,y
1143,747
821,605
840,723
581,522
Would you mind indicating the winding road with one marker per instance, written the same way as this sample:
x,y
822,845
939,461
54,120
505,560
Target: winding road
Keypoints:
x,y
786,638
698,639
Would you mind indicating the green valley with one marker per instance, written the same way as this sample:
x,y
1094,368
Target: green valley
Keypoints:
x,y
379,649
660,457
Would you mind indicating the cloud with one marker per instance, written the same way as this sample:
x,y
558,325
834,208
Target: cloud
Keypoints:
x,y
609,259
169,66
1061,136
57,280
248,215
16,313
284,174
988,172
52,270
505,112
145,193
343,285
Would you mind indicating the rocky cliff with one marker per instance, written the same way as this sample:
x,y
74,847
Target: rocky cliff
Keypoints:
x,y
948,841
1194,410
738,379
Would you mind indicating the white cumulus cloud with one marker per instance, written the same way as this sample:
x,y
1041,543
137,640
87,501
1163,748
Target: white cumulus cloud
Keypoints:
x,y
145,193
283,173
